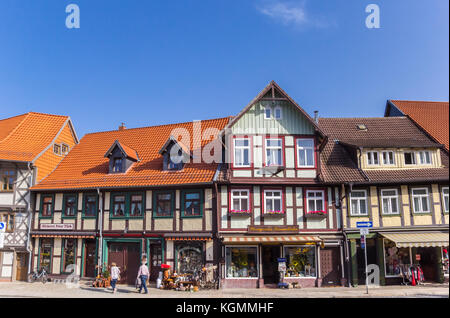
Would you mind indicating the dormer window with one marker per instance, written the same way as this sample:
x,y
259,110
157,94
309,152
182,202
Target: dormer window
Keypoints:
x,y
117,165
425,158
388,158
410,158
121,157
175,154
372,158
175,162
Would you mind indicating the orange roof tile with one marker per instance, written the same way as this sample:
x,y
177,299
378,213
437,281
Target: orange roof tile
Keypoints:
x,y
24,137
433,117
86,167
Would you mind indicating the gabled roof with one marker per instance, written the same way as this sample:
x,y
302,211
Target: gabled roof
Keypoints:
x,y
25,137
85,167
339,164
274,91
127,151
174,140
432,117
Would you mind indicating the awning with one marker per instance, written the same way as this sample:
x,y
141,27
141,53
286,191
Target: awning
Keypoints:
x,y
188,237
59,235
437,239
272,239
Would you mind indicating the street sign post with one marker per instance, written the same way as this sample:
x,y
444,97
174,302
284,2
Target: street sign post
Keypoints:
x,y
364,230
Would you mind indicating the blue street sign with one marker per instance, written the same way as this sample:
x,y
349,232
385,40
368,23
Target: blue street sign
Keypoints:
x,y
281,260
364,224
2,225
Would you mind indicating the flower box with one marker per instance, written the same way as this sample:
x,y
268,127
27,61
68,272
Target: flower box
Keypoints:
x,y
240,212
316,214
275,213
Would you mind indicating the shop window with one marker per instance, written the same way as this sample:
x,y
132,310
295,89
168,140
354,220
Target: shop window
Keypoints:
x,y
372,158
425,157
189,258
241,152
136,205
69,255
240,201
47,206
70,205
118,205
388,158
305,153
300,261
358,202
241,262
420,200
315,201
90,205
8,178
274,152
8,219
45,254
192,203
445,200
389,201
397,260
163,204
410,158
273,201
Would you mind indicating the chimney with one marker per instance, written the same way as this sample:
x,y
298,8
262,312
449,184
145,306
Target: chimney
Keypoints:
x,y
316,116
122,126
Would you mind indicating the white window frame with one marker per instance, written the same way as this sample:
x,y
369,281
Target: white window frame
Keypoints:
x,y
414,156
280,148
322,192
423,152
275,112
298,148
353,213
427,195
371,158
240,197
267,108
387,152
242,148
443,199
273,198
390,197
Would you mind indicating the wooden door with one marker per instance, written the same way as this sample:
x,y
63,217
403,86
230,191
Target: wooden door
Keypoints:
x,y
133,257
22,266
89,258
155,261
127,257
330,266
270,264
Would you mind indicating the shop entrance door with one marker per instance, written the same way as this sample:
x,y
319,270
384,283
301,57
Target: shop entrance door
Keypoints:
x,y
270,253
155,261
127,257
89,258
371,259
22,266
330,266
428,262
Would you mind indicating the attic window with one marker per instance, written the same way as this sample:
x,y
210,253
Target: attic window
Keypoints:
x,y
267,113
64,149
361,127
278,113
117,165
57,149
175,162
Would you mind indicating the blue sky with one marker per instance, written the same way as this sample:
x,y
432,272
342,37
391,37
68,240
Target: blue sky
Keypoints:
x,y
156,62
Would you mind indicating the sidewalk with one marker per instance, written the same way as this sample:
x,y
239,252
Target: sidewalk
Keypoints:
x,y
52,290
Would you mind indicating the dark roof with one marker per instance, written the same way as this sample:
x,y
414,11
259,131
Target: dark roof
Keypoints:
x,y
339,165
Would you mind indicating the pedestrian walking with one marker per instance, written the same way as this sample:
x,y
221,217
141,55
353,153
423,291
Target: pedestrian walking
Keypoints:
x,y
115,276
143,275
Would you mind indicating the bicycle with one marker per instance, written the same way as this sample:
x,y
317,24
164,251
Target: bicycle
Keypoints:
x,y
42,275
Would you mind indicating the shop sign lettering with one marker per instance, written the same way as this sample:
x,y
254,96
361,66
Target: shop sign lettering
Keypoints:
x,y
56,227
273,229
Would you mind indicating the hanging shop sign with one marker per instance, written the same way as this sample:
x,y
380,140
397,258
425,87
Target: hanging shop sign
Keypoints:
x,y
273,229
52,226
418,257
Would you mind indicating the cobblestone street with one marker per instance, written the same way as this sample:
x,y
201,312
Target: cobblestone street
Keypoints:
x,y
52,290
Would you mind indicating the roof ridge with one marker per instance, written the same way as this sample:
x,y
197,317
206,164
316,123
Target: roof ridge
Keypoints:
x,y
419,101
47,114
14,116
354,118
146,127
17,127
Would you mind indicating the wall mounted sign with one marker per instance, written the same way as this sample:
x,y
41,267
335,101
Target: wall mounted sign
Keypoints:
x,y
273,229
64,227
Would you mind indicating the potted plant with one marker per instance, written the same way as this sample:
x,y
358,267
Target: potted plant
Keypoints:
x,y
320,213
240,212
274,212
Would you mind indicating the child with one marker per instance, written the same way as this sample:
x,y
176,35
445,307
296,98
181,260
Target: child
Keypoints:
x,y
115,274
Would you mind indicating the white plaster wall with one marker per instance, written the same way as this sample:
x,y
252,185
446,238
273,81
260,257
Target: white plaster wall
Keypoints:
x,y
242,173
306,173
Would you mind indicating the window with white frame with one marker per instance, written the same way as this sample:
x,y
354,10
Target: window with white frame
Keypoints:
x,y
420,199
273,201
410,158
278,113
389,201
358,202
425,157
242,152
388,158
267,113
315,201
445,201
372,158
305,153
240,200
274,152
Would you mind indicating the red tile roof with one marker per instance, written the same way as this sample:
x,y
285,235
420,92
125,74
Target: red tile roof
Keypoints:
x,y
433,117
24,137
86,167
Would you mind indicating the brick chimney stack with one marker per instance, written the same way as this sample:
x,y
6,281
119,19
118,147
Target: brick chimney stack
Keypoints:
x,y
122,126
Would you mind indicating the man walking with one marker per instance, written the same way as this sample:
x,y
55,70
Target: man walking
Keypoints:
x,y
143,275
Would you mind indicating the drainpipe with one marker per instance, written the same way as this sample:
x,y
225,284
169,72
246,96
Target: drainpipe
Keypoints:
x,y
100,223
29,215
346,251
359,165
